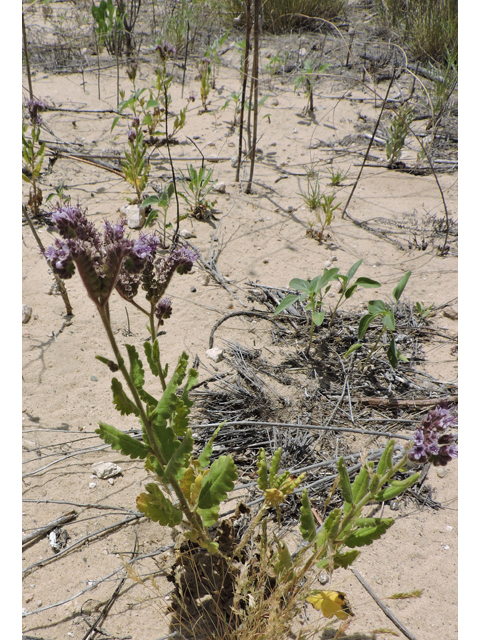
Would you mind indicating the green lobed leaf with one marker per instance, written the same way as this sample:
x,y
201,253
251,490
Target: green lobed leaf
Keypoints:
x,y
217,483
262,480
360,485
122,442
367,533
397,292
396,488
184,405
286,302
166,407
204,457
157,507
345,485
330,524
307,521
340,560
121,401
274,465
385,462
136,368
180,457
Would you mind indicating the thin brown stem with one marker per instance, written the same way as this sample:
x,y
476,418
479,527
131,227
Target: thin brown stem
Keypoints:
x,y
244,86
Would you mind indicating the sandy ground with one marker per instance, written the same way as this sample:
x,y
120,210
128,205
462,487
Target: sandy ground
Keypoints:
x,y
259,237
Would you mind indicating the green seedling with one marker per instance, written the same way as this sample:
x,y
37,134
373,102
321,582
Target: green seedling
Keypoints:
x,y
307,77
397,133
337,176
161,201
197,186
205,71
60,194
311,292
33,154
347,288
423,311
109,23
312,197
381,310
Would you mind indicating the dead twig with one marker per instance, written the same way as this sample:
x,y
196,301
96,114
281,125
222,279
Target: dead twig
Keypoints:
x,y
256,314
404,403
41,531
383,607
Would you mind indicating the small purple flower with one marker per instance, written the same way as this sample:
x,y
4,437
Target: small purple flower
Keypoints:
x,y
166,50
135,122
34,106
131,135
163,310
191,97
206,60
430,444
132,71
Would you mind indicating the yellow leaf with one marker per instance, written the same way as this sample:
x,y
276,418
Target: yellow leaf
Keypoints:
x,y
331,603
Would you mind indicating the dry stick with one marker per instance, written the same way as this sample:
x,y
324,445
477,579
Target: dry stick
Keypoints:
x,y
185,60
395,402
42,563
244,86
257,314
65,457
27,61
86,505
93,628
256,26
383,607
369,146
59,281
98,63
71,515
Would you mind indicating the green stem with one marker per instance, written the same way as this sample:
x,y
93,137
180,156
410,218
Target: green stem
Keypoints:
x,y
192,517
374,348
154,336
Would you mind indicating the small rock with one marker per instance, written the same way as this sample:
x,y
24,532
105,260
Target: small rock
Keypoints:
x,y
220,187
193,290
295,131
323,577
302,52
204,280
446,547
441,472
106,470
451,312
327,264
234,161
135,215
448,528
26,313
274,102
92,485
265,261
93,378
111,481
24,611
268,54
185,233
290,209
232,144
211,144
215,354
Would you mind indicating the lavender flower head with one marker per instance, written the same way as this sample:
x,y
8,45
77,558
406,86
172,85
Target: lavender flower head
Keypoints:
x,y
34,106
166,50
131,135
135,122
99,259
163,310
206,60
430,443
191,97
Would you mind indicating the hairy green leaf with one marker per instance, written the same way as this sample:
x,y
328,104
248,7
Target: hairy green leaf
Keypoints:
x,y
204,457
368,532
396,488
120,441
274,465
283,566
180,457
149,352
343,560
330,524
385,462
262,470
220,480
307,521
121,401
157,507
345,485
136,368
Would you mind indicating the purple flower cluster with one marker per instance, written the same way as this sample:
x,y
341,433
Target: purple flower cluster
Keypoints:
x,y
191,97
206,60
99,260
166,50
163,310
34,107
131,135
430,443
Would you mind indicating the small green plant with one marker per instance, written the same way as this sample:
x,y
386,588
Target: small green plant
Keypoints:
x,y
205,71
337,176
109,25
347,288
212,53
307,77
33,153
423,311
312,197
385,312
59,192
163,202
397,133
235,98
136,167
311,292
197,186
328,207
